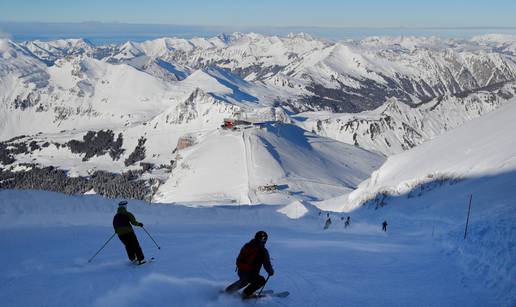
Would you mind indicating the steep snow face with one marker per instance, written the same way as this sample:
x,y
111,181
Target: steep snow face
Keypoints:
x,y
239,166
395,127
482,147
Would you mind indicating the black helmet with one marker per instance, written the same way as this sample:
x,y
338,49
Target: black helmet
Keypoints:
x,y
261,236
123,203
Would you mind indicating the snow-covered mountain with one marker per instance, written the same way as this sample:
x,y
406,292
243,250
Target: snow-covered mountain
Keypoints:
x,y
396,126
503,43
187,159
344,76
354,74
51,51
82,92
74,81
483,147
433,186
238,167
309,74
128,109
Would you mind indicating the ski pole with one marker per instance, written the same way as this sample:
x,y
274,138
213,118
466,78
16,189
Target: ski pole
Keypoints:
x,y
266,280
102,247
151,237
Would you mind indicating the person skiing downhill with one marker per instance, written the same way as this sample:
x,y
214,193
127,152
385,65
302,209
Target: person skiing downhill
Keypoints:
x,y
384,226
249,263
327,223
122,223
347,223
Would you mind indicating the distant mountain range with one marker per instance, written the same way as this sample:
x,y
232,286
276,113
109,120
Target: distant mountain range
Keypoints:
x,y
120,108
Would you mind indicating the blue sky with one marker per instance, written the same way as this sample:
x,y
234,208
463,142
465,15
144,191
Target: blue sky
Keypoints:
x,y
278,13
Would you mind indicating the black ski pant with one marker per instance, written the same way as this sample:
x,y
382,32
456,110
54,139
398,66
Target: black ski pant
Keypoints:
x,y
252,282
134,251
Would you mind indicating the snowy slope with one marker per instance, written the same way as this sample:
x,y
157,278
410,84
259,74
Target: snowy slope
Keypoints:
x,y
232,166
217,165
429,187
482,147
406,266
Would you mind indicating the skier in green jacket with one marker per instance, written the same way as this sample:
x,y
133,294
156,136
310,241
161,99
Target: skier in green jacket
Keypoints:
x,y
122,223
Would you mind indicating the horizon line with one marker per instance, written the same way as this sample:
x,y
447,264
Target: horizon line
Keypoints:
x,y
93,22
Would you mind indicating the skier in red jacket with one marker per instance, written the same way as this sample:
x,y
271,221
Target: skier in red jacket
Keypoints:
x,y
249,263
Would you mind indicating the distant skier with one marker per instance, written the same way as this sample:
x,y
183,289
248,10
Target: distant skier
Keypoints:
x,y
249,263
122,223
384,226
348,221
328,222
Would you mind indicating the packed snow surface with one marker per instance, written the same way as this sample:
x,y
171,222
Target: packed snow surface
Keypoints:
x,y
47,239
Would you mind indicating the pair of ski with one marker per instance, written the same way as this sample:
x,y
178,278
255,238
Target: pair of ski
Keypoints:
x,y
146,261
269,293
264,293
